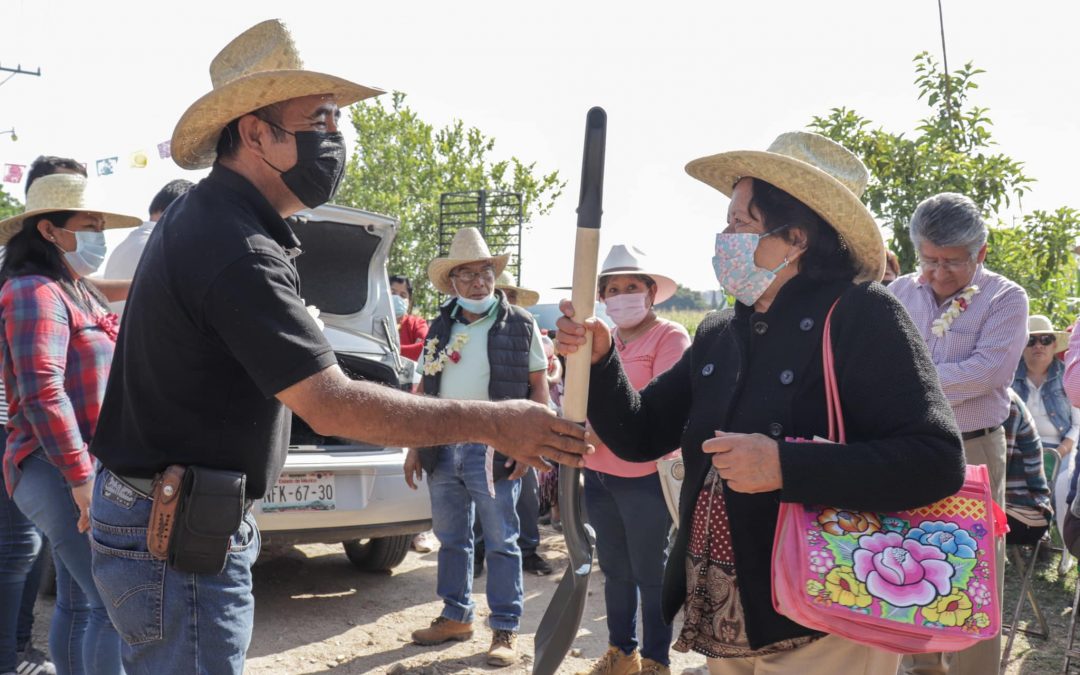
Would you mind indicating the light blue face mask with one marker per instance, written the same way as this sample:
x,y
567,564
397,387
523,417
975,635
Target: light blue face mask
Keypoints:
x,y
89,253
401,305
480,306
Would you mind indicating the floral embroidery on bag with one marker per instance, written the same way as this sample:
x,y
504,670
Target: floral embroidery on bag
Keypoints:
x,y
933,574
435,361
956,308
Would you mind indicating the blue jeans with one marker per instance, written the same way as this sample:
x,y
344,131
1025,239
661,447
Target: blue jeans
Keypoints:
x,y
171,622
459,493
81,637
631,521
528,511
21,565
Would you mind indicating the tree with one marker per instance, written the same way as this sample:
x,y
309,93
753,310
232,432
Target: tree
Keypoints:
x,y
951,151
684,298
9,206
401,165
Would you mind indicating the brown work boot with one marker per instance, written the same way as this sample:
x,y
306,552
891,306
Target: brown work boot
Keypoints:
x,y
503,650
650,667
442,630
614,662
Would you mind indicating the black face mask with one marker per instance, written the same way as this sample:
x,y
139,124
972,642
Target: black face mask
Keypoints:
x,y
320,166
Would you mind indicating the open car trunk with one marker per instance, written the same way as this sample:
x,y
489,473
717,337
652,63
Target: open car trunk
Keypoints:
x,y
342,271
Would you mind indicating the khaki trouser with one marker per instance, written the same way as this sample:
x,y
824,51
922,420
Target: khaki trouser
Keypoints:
x,y
985,657
831,655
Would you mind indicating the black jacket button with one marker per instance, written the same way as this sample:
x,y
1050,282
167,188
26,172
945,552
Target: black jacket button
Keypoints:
x,y
760,327
787,377
806,324
706,370
775,429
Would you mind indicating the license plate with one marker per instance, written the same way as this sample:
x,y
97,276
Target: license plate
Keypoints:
x,y
301,492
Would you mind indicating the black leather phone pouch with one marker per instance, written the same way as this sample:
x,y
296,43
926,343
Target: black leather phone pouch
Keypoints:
x,y
211,509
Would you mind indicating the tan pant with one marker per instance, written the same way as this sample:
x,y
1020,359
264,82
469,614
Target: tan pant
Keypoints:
x,y
985,657
831,655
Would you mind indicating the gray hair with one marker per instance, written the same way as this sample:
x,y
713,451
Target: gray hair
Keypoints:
x,y
949,219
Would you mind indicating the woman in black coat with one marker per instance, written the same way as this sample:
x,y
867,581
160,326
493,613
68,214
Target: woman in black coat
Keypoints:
x,y
798,241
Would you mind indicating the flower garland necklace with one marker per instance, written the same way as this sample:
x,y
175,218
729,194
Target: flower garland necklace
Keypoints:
x,y
956,308
435,361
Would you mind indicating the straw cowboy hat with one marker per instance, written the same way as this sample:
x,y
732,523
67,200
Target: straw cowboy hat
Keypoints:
x,y
62,192
623,259
467,247
1040,325
820,173
525,297
260,67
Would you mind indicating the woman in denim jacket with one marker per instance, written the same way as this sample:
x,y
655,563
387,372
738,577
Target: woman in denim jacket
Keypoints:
x,y
1039,382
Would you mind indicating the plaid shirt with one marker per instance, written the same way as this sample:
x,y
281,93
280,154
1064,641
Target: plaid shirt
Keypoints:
x,y
1025,477
976,358
56,359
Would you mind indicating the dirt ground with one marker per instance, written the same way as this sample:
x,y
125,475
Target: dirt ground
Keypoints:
x,y
315,613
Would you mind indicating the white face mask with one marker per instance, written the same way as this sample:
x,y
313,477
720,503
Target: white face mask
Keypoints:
x,y
89,252
627,309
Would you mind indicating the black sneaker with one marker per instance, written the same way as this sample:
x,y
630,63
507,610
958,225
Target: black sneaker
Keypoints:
x,y
32,661
535,564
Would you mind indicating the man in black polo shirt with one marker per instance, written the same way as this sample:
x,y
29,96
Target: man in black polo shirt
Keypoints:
x,y
216,338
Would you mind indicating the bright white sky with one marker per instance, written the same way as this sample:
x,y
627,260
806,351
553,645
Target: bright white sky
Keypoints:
x,y
679,80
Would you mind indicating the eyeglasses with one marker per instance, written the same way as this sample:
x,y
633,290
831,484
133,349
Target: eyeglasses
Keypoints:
x,y
948,265
1044,340
468,276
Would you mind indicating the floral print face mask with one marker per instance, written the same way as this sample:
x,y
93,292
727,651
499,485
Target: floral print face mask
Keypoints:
x,y
735,268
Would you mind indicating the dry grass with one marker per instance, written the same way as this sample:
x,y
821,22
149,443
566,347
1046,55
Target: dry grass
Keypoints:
x,y
1055,594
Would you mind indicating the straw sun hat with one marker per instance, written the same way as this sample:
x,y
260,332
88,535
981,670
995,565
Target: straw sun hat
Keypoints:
x,y
1040,325
467,247
817,171
260,67
62,192
622,259
526,297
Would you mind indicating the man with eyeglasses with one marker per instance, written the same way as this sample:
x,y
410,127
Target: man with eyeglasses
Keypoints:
x,y
479,348
975,324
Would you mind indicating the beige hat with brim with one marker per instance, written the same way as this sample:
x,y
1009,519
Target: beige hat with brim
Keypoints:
x,y
467,247
526,297
1041,325
62,192
260,67
623,259
820,173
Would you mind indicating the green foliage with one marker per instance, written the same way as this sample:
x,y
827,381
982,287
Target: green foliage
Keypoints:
x,y
687,318
950,151
1037,253
684,298
401,165
9,206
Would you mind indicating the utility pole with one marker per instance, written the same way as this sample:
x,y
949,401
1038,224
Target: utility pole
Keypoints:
x,y
18,70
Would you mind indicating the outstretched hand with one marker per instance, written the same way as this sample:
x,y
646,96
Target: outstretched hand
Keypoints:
x,y
531,433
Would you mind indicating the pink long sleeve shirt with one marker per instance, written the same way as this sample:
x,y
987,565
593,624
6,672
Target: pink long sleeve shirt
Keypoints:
x,y
643,359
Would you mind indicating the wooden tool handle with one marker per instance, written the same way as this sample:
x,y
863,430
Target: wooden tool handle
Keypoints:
x,y
576,395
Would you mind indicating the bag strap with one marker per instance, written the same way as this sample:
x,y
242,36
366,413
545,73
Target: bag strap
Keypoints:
x,y
832,391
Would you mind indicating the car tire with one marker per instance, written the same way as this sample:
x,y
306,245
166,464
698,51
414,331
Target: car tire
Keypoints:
x,y
378,555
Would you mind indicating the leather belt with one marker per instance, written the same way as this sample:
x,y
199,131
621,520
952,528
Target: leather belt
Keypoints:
x,y
979,433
